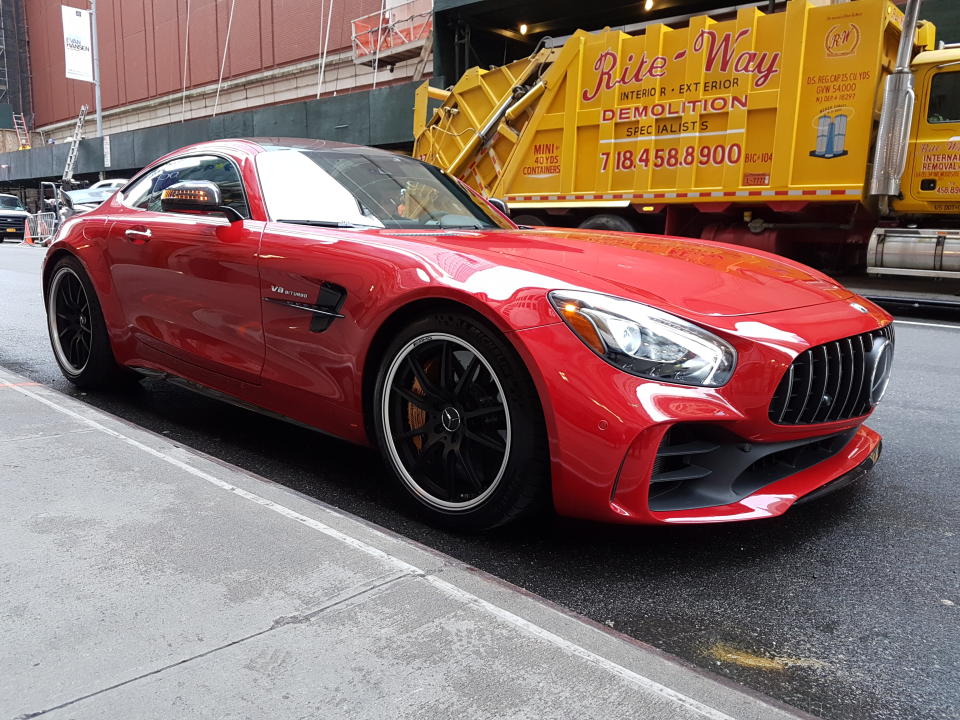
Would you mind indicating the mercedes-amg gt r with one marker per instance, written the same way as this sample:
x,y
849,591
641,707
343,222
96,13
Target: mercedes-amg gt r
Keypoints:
x,y
498,369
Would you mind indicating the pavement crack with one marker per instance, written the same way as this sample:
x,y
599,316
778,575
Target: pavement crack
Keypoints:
x,y
365,588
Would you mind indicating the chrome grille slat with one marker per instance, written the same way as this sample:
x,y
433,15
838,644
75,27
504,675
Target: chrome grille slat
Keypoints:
x,y
820,370
864,376
808,382
828,382
785,403
836,379
846,371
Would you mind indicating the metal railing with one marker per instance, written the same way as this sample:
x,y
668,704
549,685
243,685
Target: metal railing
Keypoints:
x,y
40,228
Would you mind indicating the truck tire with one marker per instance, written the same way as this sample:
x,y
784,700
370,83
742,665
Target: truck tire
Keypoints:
x,y
608,221
528,219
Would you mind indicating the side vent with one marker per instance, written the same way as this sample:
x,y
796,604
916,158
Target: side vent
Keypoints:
x,y
330,299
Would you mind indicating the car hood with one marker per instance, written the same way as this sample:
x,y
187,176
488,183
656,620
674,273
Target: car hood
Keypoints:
x,y
697,276
9,212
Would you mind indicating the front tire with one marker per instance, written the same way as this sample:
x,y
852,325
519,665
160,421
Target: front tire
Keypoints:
x,y
458,421
78,333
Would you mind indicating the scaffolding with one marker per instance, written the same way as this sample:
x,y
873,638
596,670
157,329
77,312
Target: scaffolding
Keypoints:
x,y
393,34
4,81
15,69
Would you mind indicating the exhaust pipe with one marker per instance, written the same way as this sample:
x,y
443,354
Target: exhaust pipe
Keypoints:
x,y
893,134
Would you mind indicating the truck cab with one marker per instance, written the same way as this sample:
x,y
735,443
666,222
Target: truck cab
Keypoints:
x,y
931,178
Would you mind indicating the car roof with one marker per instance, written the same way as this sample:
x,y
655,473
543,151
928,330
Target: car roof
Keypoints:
x,y
250,146
269,144
286,143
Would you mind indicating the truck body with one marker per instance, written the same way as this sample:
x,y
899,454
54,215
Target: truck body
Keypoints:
x,y
761,129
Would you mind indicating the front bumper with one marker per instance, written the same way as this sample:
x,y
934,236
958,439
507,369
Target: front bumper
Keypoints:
x,y
607,429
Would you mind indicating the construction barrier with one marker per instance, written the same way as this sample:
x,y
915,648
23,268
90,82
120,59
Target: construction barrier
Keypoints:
x,y
39,229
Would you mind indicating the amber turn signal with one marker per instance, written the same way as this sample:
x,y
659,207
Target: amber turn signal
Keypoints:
x,y
582,325
199,196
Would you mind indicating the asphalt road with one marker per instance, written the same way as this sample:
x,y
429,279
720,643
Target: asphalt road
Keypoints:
x,y
846,608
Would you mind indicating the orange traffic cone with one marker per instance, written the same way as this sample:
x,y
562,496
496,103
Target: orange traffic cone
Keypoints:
x,y
27,240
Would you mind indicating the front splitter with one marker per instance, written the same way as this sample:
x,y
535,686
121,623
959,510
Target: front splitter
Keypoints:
x,y
845,480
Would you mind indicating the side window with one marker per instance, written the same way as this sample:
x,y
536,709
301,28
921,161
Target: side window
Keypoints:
x,y
145,193
136,196
944,98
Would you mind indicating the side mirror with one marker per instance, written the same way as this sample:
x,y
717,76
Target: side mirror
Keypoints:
x,y
499,205
196,196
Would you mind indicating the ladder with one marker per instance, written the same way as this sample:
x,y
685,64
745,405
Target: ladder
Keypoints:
x,y
23,135
74,146
425,53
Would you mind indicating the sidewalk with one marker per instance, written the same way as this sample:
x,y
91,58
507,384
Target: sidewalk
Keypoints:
x,y
140,579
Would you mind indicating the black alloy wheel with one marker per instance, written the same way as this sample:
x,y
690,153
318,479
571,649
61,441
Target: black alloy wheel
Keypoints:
x,y
460,424
78,334
71,330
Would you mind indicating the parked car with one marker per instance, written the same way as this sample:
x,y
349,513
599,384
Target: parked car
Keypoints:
x,y
13,217
111,184
77,202
627,378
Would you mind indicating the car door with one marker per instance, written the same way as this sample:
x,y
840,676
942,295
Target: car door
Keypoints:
x,y
934,175
189,283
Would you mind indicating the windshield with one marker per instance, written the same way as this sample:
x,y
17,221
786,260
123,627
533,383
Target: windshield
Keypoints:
x,y
10,203
90,195
351,187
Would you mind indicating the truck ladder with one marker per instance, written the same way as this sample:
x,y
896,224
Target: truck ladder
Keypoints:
x,y
23,135
74,146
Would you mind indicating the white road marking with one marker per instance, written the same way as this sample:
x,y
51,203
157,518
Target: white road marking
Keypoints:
x,y
923,324
577,650
442,585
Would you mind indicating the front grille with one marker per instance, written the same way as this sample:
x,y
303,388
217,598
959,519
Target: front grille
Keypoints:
x,y
700,466
832,382
13,222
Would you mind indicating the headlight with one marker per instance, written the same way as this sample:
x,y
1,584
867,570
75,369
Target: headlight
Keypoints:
x,y
644,341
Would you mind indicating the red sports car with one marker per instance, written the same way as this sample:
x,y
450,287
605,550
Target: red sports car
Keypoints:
x,y
627,378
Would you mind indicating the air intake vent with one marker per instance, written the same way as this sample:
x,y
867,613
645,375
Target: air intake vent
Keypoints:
x,y
701,466
835,381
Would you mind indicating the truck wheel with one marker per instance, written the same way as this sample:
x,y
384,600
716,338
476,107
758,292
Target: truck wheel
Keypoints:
x,y
528,219
607,221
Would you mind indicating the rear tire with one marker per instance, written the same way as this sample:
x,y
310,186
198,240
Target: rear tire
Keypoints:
x,y
459,423
78,333
608,221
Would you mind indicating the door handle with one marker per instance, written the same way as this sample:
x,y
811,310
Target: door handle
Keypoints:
x,y
138,235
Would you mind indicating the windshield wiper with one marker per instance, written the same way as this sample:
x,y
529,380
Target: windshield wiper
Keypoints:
x,y
329,223
460,227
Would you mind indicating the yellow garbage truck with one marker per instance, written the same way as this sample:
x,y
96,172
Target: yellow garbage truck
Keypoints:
x,y
828,132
